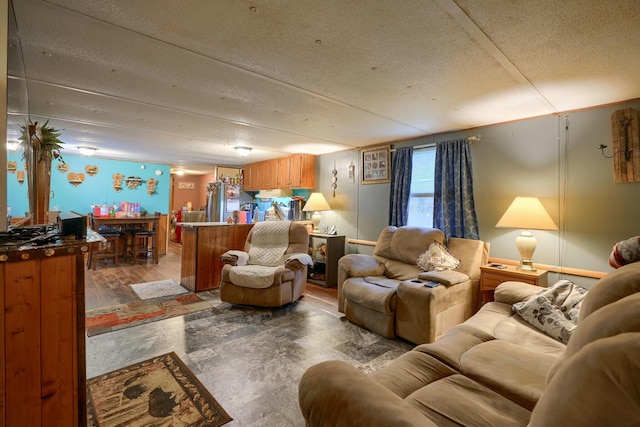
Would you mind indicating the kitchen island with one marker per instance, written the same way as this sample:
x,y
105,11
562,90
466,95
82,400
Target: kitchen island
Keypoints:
x,y
203,244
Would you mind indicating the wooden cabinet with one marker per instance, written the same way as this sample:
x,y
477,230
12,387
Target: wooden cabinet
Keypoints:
x,y
202,248
42,336
491,277
326,250
295,171
251,177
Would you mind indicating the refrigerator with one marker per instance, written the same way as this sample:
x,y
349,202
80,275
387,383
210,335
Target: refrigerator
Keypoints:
x,y
223,199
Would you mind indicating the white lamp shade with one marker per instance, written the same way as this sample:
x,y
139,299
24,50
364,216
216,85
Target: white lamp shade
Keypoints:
x,y
316,203
526,213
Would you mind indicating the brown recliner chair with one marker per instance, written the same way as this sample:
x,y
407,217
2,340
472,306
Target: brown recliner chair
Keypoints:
x,y
272,269
385,293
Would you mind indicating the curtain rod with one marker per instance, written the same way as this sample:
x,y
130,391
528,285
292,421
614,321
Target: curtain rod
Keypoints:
x,y
472,139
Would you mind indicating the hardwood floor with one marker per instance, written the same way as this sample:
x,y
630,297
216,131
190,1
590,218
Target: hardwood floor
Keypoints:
x,y
109,284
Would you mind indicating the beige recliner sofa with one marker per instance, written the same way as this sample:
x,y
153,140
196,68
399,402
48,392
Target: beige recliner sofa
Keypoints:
x,y
283,266
497,370
385,293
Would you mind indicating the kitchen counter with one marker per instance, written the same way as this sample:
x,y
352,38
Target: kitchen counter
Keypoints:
x,y
206,224
203,244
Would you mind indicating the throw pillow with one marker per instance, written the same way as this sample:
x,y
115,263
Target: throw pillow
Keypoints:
x,y
554,310
625,252
437,258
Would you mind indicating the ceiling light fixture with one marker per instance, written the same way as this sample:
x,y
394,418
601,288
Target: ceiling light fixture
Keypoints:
x,y
243,151
87,151
179,172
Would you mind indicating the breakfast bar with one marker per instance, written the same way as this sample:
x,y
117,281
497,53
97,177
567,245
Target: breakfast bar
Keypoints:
x,y
203,244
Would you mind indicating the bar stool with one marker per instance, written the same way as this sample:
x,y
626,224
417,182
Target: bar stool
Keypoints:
x,y
140,242
109,249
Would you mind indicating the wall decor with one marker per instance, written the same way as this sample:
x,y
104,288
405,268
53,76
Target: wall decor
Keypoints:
x,y
334,178
626,145
20,177
75,179
117,181
151,186
352,173
63,167
376,165
186,186
12,166
133,182
91,170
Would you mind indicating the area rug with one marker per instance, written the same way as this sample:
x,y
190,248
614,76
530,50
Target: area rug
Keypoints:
x,y
161,288
109,319
160,391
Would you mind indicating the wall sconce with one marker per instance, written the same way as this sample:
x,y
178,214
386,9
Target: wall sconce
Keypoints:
x,y
87,151
243,151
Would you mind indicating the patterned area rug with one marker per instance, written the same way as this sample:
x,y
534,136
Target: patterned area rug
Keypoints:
x,y
160,391
161,288
108,319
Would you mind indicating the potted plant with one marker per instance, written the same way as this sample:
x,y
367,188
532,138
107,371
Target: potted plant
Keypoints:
x,y
41,145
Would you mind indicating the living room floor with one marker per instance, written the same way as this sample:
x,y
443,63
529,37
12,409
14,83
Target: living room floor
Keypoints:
x,y
250,359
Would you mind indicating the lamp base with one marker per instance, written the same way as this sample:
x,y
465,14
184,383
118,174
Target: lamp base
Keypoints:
x,y
316,218
526,265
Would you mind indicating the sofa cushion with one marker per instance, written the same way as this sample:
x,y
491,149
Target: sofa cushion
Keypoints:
x,y
367,293
407,243
554,310
515,372
612,287
437,258
460,401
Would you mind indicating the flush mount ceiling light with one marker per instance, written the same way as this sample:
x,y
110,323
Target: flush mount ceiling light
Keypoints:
x,y
243,151
87,151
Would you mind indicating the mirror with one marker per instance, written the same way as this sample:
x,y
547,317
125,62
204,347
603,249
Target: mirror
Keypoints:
x,y
14,199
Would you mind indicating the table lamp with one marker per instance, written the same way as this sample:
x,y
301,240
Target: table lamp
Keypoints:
x,y
526,213
316,203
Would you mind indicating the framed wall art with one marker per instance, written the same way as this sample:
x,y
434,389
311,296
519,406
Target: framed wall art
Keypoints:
x,y
376,165
186,186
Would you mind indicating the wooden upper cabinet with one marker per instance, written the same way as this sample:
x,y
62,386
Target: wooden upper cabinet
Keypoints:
x,y
251,177
295,171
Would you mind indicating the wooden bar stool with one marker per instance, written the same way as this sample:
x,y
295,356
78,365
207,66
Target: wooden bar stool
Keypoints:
x,y
140,243
109,249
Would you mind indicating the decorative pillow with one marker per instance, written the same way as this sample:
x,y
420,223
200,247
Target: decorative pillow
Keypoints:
x,y
625,252
437,258
554,310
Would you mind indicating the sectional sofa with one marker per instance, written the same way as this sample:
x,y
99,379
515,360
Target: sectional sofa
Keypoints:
x,y
496,370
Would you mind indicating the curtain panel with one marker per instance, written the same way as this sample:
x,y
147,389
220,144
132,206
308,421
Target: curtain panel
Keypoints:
x,y
454,209
400,186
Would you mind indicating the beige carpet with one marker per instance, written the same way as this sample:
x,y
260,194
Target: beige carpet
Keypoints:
x,y
161,288
160,391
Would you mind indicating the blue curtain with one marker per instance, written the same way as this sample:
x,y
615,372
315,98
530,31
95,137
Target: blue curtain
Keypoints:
x,y
400,186
454,210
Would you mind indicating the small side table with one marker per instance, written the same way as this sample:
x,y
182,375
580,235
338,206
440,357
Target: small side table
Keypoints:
x,y
491,277
326,250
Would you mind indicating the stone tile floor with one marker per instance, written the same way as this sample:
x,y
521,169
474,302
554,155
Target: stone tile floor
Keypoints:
x,y
250,359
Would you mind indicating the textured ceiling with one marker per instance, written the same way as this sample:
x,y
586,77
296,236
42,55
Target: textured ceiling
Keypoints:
x,y
182,82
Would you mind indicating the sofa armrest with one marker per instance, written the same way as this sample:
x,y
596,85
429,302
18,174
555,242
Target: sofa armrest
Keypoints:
x,y
356,265
298,261
334,393
359,265
235,257
513,292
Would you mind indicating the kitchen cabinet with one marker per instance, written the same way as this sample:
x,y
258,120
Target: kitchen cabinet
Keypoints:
x,y
295,171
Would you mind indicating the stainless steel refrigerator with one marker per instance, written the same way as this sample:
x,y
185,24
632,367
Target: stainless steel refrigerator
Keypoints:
x,y
223,199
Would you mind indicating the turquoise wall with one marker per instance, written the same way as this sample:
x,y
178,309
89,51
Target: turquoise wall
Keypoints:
x,y
94,189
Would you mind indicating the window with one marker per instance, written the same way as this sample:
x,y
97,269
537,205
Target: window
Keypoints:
x,y
421,198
